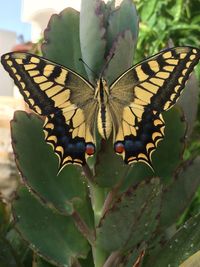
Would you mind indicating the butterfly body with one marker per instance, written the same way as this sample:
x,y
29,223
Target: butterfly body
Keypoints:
x,y
104,120
130,108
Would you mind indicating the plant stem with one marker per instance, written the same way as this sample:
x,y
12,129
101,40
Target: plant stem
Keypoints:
x,y
97,195
99,256
98,198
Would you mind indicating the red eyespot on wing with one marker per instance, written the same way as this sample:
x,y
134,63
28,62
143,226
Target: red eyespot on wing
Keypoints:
x,y
90,149
119,147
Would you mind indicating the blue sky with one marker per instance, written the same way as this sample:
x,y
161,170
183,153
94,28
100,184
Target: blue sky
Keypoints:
x,y
10,15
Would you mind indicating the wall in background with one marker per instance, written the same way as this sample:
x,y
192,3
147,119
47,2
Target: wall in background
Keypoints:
x,y
7,41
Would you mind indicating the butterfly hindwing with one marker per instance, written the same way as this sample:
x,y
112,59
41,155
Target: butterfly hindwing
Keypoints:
x,y
61,95
141,94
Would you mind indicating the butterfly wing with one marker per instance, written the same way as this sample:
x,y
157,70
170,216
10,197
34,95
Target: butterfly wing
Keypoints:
x,y
141,94
63,97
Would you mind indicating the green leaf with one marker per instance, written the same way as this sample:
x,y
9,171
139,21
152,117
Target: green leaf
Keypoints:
x,y
132,218
122,18
182,245
183,188
123,51
109,168
8,257
61,40
87,262
4,217
53,236
170,151
20,247
38,165
189,102
148,9
92,36
39,262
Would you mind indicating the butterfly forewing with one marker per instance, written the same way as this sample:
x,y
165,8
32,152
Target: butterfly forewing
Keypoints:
x,y
141,94
61,95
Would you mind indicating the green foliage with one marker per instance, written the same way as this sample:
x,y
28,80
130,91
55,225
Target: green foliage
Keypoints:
x,y
176,23
55,39
127,225
47,232
53,189
184,243
107,214
162,21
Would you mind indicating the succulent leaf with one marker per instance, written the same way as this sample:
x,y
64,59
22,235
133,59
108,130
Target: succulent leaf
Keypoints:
x,y
4,217
61,40
183,188
122,50
189,102
122,18
64,191
88,262
19,247
8,257
47,232
92,37
182,245
109,168
39,262
132,218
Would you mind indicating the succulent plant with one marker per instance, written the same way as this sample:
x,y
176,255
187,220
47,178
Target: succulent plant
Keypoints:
x,y
105,214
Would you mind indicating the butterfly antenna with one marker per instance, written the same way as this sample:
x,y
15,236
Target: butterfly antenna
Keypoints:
x,y
80,59
105,66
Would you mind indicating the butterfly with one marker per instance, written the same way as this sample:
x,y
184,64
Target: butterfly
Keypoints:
x,y
131,107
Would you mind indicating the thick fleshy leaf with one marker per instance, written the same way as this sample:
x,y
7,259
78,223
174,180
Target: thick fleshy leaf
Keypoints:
x,y
19,246
183,244
87,262
168,154
189,102
53,236
122,51
109,168
183,188
123,18
92,37
39,169
4,217
61,40
170,151
8,257
132,219
39,262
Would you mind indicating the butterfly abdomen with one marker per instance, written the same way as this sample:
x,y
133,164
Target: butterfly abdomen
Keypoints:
x,y
104,122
